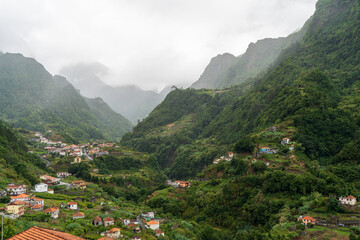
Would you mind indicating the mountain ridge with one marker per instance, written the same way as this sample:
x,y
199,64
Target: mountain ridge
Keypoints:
x,y
33,99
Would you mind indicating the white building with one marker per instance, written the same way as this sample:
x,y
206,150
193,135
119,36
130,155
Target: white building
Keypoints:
x,y
148,214
41,187
73,205
349,200
13,189
36,201
153,225
63,174
126,222
54,212
285,141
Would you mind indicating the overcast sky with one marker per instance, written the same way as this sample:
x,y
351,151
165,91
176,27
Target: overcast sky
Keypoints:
x,y
150,43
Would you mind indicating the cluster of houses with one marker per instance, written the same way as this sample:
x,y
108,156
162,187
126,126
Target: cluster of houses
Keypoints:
x,y
51,181
20,202
182,184
58,147
227,157
349,200
147,221
79,150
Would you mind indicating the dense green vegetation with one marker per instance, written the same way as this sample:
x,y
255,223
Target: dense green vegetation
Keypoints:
x,y
311,95
33,99
16,163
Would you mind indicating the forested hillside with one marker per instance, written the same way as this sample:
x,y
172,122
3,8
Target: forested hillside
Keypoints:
x,y
16,164
33,99
311,85
309,97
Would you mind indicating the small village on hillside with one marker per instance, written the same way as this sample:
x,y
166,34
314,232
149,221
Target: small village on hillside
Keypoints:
x,y
66,200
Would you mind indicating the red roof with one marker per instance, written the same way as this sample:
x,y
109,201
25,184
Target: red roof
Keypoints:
x,y
97,219
158,231
49,210
78,181
114,230
132,225
350,197
44,234
152,223
105,238
309,218
79,214
108,219
37,199
20,203
23,195
72,203
37,206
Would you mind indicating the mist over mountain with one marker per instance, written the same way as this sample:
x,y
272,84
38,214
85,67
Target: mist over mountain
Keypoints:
x,y
31,98
226,70
130,101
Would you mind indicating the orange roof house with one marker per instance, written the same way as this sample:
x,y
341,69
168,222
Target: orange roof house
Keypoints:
x,y
37,207
78,215
97,221
50,210
158,233
54,212
39,233
105,238
108,221
113,233
153,224
307,219
21,197
18,202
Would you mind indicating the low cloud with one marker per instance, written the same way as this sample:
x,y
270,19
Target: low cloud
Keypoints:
x,y
150,43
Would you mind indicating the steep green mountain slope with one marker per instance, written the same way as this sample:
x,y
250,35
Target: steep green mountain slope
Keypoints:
x,y
130,101
312,86
108,118
16,164
293,90
178,121
226,70
215,71
32,99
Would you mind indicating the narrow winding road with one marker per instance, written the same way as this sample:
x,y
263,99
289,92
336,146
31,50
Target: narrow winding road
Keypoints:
x,y
47,161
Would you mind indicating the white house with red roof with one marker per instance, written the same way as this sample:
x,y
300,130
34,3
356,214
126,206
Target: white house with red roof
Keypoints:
x,y
306,219
159,233
37,207
349,200
22,197
153,225
54,212
14,189
35,201
113,233
78,215
73,205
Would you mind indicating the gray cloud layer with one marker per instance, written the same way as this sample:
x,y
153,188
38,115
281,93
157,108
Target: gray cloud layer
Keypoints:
x,y
150,43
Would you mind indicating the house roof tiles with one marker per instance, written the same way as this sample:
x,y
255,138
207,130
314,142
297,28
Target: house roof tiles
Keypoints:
x,y
108,219
44,234
79,214
152,223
